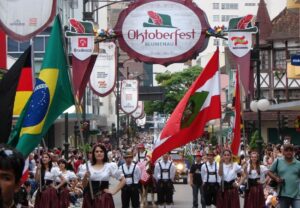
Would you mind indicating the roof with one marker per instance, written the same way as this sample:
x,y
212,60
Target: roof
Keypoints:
x,y
264,20
286,25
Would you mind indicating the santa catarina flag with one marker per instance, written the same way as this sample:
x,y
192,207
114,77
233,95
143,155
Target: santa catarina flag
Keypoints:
x,y
237,120
52,95
8,87
199,105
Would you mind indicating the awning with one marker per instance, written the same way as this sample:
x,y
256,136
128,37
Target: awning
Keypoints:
x,y
292,106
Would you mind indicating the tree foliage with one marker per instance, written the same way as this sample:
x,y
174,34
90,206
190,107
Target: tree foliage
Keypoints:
x,y
176,84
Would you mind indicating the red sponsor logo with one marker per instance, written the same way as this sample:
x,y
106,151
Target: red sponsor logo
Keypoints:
x,y
32,21
82,42
239,40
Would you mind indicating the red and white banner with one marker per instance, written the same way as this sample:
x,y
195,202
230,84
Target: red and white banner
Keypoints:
x,y
139,111
22,20
103,77
129,95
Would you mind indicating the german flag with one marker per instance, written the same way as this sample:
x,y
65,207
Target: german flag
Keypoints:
x,y
8,88
24,89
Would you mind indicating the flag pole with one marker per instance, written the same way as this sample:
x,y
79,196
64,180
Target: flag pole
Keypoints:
x,y
77,107
243,121
221,124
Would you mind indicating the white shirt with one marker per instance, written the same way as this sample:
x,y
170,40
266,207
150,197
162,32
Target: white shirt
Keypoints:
x,y
52,174
164,166
67,176
128,171
82,170
253,174
230,171
143,156
107,171
212,168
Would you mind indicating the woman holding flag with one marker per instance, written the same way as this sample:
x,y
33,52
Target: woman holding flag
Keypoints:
x,y
228,196
100,170
46,175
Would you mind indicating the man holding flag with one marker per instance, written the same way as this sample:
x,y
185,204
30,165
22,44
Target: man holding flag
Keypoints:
x,y
200,104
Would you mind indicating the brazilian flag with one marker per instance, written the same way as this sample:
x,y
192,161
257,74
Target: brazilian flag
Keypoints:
x,y
52,95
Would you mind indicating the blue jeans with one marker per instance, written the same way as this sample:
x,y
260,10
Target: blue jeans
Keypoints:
x,y
286,202
196,190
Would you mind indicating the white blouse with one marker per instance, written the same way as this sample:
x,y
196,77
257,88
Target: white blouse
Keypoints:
x,y
52,174
107,171
253,174
67,176
230,171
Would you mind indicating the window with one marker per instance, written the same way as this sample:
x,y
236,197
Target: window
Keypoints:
x,y
224,43
265,61
280,59
216,5
250,4
230,6
216,18
226,18
216,42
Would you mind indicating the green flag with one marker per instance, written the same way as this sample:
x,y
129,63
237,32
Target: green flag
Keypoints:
x,y
51,97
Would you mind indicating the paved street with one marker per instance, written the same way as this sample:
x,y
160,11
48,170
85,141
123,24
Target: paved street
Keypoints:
x,y
182,198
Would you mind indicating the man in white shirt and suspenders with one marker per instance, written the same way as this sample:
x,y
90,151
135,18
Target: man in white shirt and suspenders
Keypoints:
x,y
141,154
164,173
211,179
132,174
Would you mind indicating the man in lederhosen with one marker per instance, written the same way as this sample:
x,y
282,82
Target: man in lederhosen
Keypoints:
x,y
141,154
164,173
211,179
132,174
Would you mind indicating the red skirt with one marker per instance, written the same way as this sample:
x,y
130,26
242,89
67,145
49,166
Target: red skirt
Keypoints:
x,y
47,198
228,199
64,198
103,200
254,197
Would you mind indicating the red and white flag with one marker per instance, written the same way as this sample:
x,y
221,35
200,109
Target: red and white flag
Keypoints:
x,y
199,105
237,120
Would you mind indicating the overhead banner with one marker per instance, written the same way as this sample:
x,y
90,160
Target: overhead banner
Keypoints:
x,y
139,111
103,77
82,38
240,32
129,95
22,20
162,31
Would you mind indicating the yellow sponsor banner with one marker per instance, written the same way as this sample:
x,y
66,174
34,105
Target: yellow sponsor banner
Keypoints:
x,y
293,72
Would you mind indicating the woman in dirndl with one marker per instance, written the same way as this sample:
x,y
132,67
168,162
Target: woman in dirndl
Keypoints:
x,y
64,192
228,196
100,170
46,175
256,174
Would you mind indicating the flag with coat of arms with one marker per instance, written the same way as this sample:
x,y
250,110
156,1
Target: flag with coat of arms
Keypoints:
x,y
51,97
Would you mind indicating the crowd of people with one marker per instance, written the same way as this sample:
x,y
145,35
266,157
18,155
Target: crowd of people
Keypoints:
x,y
270,180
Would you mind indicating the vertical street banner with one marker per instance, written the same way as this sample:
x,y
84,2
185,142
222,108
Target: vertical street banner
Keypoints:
x,y
22,20
81,35
240,32
139,110
103,76
129,95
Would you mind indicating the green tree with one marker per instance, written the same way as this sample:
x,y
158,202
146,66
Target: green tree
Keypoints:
x,y
176,84
253,145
